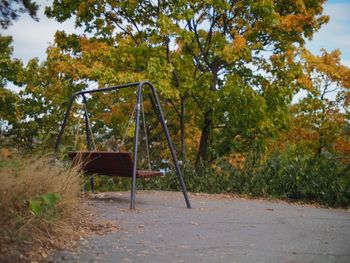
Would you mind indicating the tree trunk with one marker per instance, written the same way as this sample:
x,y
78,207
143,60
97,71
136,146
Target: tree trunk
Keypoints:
x,y
202,155
182,130
181,112
320,146
320,139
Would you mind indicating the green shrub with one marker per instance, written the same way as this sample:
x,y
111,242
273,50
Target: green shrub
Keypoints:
x,y
297,174
292,173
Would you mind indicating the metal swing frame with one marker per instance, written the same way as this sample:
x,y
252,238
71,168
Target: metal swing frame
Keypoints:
x,y
153,96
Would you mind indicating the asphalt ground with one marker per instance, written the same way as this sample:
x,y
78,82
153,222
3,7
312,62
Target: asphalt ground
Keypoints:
x,y
219,228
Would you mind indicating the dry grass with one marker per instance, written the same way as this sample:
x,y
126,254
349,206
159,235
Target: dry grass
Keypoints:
x,y
24,234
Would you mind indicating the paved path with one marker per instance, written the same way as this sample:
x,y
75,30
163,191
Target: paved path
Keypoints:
x,y
217,229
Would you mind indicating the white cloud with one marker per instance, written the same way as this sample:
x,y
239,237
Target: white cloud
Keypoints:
x,y
32,38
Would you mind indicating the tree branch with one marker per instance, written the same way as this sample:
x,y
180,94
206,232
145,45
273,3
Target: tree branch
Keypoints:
x,y
174,106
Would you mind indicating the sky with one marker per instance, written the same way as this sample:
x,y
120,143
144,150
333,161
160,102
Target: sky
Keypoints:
x,y
32,38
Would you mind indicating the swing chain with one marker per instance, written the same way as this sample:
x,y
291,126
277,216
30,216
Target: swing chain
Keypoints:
x,y
122,143
89,126
84,108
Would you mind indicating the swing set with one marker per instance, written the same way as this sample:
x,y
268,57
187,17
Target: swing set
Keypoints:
x,y
121,163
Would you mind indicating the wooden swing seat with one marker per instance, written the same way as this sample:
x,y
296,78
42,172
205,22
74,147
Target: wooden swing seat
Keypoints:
x,y
108,163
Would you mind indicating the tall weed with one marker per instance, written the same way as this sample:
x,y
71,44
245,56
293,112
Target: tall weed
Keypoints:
x,y
39,203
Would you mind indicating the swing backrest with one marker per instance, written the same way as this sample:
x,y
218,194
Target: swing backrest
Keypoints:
x,y
107,163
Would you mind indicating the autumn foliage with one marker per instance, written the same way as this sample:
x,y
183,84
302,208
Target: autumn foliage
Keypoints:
x,y
226,71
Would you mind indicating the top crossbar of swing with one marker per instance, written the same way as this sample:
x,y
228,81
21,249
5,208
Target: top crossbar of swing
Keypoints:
x,y
129,85
109,163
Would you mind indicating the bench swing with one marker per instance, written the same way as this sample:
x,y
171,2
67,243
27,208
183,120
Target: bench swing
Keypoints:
x,y
120,163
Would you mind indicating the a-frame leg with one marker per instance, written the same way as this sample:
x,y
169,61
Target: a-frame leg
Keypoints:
x,y
136,141
88,139
159,112
92,184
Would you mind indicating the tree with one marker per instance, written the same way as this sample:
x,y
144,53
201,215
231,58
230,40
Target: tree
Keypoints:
x,y
9,70
322,117
32,114
201,54
11,9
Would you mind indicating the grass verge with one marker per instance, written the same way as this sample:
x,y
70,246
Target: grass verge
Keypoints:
x,y
41,208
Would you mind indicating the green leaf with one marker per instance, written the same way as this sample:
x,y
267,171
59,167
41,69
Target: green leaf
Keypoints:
x,y
51,199
35,206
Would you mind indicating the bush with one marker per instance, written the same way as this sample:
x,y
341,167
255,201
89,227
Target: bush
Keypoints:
x,y
292,173
296,174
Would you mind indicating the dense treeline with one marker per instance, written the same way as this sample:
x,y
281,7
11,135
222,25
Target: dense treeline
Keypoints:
x,y
226,72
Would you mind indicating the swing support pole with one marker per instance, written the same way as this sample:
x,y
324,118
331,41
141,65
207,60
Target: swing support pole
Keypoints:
x,y
136,142
87,124
158,111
